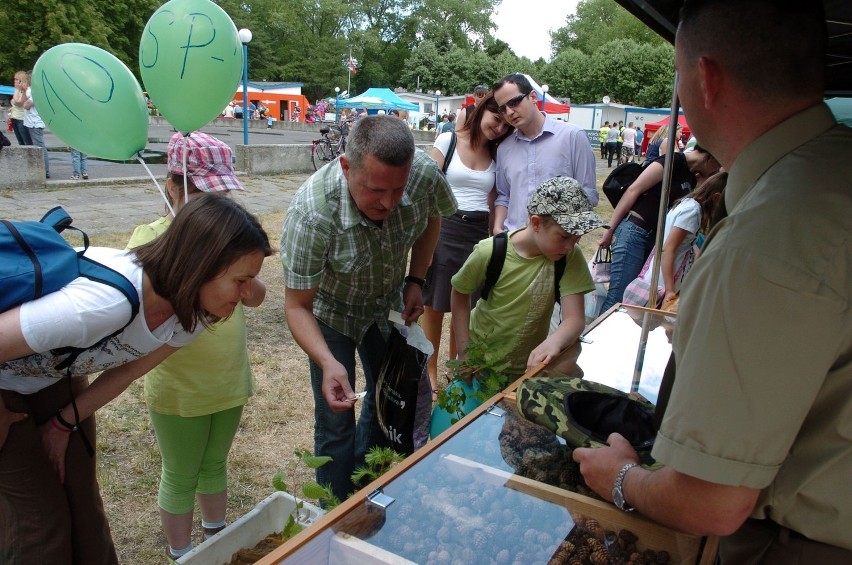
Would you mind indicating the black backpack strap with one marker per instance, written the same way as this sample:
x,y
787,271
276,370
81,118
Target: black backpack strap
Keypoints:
x,y
495,263
558,271
57,218
450,151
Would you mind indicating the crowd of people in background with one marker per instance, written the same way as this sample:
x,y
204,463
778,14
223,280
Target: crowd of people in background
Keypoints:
x,y
754,441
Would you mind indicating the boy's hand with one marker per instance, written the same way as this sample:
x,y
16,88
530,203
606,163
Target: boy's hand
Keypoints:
x,y
544,353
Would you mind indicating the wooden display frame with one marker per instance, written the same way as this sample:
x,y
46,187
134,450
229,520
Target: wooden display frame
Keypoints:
x,y
689,548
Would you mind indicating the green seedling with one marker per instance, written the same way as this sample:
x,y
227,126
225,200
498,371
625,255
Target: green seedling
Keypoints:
x,y
310,490
378,461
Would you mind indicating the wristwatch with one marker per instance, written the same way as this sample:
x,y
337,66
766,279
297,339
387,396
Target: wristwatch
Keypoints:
x,y
415,280
617,490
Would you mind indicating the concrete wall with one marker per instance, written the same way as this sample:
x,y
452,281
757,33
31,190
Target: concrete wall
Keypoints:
x,y
22,168
258,160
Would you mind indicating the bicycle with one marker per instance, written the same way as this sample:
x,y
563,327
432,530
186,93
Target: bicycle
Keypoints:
x,y
330,145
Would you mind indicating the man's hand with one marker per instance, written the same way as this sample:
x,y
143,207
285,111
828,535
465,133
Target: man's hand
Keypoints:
x,y
55,444
335,387
7,418
412,302
601,465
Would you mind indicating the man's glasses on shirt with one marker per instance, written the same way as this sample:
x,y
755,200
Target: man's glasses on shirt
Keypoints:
x,y
512,103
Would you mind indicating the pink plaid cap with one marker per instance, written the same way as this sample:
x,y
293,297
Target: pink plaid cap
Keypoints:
x,y
209,163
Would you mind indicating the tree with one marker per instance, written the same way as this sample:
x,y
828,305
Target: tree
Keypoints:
x,y
463,69
569,75
295,40
421,69
598,22
31,27
453,24
632,73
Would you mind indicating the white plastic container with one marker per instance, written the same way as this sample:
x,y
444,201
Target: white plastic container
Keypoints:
x,y
268,516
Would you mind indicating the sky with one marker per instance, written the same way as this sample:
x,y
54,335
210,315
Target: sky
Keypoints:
x,y
525,24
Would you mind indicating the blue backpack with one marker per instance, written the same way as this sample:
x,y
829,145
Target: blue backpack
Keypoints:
x,y
35,260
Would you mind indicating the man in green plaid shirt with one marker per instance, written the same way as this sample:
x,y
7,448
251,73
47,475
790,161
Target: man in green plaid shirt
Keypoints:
x,y
344,248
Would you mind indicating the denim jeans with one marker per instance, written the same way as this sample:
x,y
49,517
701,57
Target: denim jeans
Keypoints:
x,y
336,434
611,148
630,247
79,163
37,135
22,133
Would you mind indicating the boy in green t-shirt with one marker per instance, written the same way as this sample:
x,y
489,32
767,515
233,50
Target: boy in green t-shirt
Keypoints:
x,y
516,315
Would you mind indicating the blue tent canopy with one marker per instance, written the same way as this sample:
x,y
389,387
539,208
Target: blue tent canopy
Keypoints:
x,y
378,99
7,90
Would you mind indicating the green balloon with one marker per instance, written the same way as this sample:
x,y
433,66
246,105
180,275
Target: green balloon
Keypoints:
x,y
191,61
91,101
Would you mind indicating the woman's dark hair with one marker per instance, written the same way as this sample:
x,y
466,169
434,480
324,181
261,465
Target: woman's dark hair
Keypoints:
x,y
207,236
487,104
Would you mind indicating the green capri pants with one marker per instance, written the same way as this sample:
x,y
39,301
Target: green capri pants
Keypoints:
x,y
195,456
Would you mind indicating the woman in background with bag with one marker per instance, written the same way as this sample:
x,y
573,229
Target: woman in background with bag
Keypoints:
x,y
471,173
688,218
634,221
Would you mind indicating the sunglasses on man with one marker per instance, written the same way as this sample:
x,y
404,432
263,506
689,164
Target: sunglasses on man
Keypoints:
x,y
512,103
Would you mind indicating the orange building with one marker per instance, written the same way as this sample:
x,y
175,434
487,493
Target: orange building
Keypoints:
x,y
281,98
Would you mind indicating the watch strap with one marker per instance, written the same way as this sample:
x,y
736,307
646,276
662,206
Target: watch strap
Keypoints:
x,y
618,488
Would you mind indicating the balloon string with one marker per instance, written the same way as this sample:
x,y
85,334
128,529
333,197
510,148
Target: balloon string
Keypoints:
x,y
185,182
153,178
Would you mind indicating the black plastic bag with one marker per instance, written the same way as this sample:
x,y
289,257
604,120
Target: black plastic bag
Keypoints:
x,y
397,392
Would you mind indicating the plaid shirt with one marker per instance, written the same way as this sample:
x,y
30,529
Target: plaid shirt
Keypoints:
x,y
356,266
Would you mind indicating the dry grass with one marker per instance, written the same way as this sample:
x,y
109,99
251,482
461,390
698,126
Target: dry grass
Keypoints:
x,y
277,419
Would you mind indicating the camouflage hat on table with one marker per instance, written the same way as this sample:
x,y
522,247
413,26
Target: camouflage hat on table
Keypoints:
x,y
564,200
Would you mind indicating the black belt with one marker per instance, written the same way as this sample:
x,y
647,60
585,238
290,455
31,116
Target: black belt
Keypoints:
x,y
633,219
471,216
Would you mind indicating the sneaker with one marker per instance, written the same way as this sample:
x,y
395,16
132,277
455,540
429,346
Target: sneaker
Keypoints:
x,y
85,176
75,177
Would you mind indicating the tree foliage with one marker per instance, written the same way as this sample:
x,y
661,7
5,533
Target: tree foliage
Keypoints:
x,y
31,27
598,22
428,44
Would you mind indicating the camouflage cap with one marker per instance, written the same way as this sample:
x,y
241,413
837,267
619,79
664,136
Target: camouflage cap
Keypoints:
x,y
563,199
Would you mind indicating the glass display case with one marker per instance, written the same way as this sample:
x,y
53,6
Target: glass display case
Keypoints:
x,y
496,488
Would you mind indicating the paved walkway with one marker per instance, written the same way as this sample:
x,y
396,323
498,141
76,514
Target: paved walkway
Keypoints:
x,y
103,205
110,205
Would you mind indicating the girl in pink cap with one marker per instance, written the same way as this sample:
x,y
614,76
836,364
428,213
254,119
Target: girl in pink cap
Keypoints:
x,y
196,397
